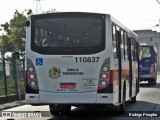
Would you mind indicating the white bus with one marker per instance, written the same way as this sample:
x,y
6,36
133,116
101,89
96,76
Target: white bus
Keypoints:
x,y
80,59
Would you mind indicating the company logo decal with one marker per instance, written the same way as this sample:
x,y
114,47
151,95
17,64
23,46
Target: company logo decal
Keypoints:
x,y
54,72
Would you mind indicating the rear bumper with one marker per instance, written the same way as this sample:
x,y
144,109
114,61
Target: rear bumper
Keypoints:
x,y
148,76
32,98
70,98
63,98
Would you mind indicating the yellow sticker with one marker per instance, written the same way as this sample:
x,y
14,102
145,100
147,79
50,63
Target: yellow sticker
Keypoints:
x,y
54,72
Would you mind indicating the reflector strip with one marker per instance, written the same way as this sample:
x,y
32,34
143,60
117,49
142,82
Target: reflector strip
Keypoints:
x,y
67,50
31,97
104,96
100,87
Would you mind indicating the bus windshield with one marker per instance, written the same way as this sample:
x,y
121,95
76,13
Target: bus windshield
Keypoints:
x,y
67,32
146,52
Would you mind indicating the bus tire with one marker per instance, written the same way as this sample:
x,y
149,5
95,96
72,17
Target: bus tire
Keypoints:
x,y
65,110
53,111
152,81
133,99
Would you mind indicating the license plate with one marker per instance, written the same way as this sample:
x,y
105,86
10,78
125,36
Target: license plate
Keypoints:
x,y
67,85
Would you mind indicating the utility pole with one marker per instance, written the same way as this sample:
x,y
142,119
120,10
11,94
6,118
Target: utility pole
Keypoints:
x,y
158,1
38,6
159,19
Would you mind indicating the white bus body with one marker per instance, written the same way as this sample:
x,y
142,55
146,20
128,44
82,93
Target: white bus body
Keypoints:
x,y
88,70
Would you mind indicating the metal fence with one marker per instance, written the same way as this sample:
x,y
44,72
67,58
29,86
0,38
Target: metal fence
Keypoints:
x,y
11,79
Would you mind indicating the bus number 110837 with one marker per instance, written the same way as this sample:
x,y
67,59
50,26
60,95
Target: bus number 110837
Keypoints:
x,y
86,59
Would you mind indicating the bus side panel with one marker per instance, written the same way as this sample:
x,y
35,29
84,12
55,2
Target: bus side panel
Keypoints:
x,y
134,77
108,97
125,76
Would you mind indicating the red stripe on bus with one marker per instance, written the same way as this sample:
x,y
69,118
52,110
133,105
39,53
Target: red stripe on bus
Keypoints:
x,y
67,50
100,87
31,97
104,96
111,77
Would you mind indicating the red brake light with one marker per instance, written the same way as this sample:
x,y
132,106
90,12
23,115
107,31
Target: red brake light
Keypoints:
x,y
152,68
67,50
111,76
100,87
104,76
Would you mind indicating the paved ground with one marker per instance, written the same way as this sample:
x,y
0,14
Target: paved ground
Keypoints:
x,y
11,105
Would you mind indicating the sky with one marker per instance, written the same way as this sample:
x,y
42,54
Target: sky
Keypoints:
x,y
134,14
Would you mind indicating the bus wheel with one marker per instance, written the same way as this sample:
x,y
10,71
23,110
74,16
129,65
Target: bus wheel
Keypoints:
x,y
133,99
152,81
66,111
53,110
55,113
59,110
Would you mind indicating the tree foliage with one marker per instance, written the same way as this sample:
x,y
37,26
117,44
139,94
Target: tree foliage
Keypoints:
x,y
15,32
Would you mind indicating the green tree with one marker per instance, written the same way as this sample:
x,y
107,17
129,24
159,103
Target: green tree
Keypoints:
x,y
15,31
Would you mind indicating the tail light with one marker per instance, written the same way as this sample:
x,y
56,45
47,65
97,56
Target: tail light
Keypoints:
x,y
31,76
111,80
104,74
152,68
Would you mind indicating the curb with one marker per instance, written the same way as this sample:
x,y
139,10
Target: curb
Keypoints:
x,y
11,105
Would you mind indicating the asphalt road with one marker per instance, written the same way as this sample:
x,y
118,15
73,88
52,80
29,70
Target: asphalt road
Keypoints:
x,y
147,105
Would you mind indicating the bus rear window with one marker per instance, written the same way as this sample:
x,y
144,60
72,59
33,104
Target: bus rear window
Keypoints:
x,y
145,52
68,32
79,33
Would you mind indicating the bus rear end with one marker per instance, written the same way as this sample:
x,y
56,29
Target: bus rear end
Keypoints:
x,y
148,70
67,61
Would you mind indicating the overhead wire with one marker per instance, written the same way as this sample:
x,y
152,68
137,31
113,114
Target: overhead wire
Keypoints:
x,y
158,1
